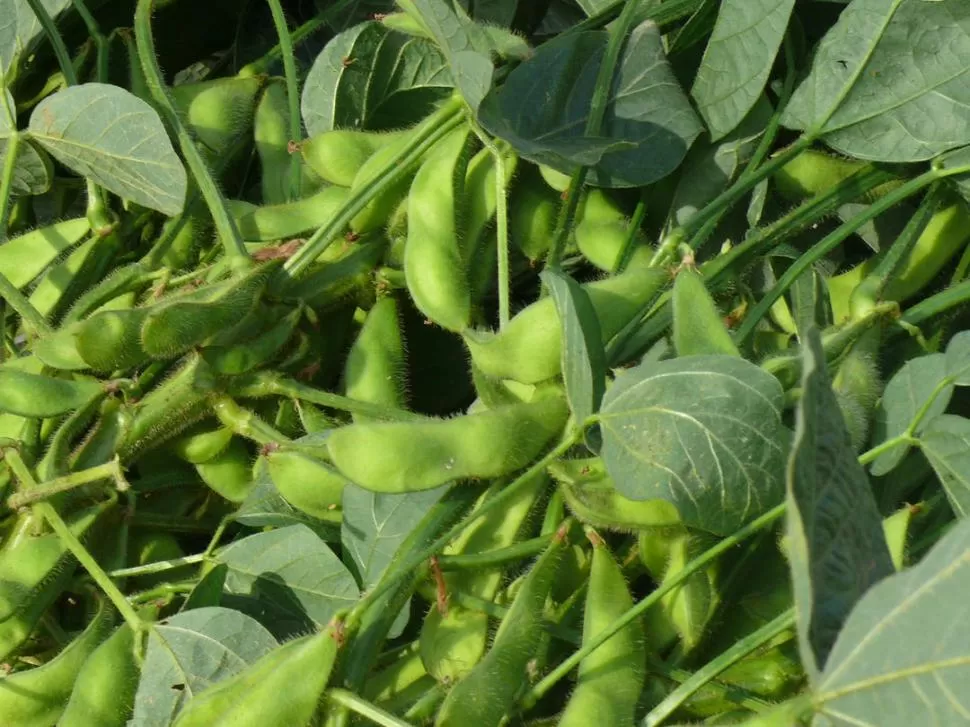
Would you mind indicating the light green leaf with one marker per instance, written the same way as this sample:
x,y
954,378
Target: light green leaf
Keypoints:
x,y
946,444
838,549
19,28
905,395
543,107
738,59
33,171
190,652
903,656
291,575
583,356
890,81
111,136
958,358
704,433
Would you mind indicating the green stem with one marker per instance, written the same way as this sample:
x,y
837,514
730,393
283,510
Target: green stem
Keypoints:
x,y
158,566
267,383
365,709
826,245
11,151
30,316
564,220
434,128
292,93
100,42
706,673
494,558
511,490
623,258
935,305
229,235
697,564
245,423
502,237
422,711
108,471
60,50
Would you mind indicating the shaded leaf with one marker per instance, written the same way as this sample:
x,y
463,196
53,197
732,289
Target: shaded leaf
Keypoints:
x,y
838,549
738,59
19,28
889,81
583,356
901,658
543,107
190,652
905,395
111,136
703,432
946,444
208,591
958,358
291,574
33,172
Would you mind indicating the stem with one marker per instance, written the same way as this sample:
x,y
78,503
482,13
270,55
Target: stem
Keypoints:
x,y
232,241
565,218
110,470
624,257
266,383
60,50
826,245
365,709
157,567
495,558
698,563
30,316
506,494
292,93
244,422
12,144
422,710
706,673
935,305
431,130
100,42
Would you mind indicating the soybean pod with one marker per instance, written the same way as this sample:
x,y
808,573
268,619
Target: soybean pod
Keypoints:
x,y
375,367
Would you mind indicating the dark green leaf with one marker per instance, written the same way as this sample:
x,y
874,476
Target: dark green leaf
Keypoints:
x,y
583,357
111,136
19,27
901,658
208,591
946,444
703,432
838,550
190,652
738,59
889,81
905,395
543,107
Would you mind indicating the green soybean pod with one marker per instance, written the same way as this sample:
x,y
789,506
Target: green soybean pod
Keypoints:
x,y
421,455
111,340
202,443
25,257
338,155
104,693
309,484
290,219
229,473
194,230
35,395
689,606
100,445
219,112
533,208
436,272
554,178
603,243
246,355
58,350
479,196
174,327
37,697
62,281
34,570
529,348
332,284
281,689
698,326
378,210
487,693
611,678
454,642
271,132
375,367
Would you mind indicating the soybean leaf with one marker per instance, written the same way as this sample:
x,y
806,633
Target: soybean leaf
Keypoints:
x,y
497,12
902,655
208,591
889,81
373,529
710,168
704,433
946,444
368,77
583,356
114,138
592,7
289,577
737,61
19,27
33,171
958,359
838,549
906,394
190,652
543,107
